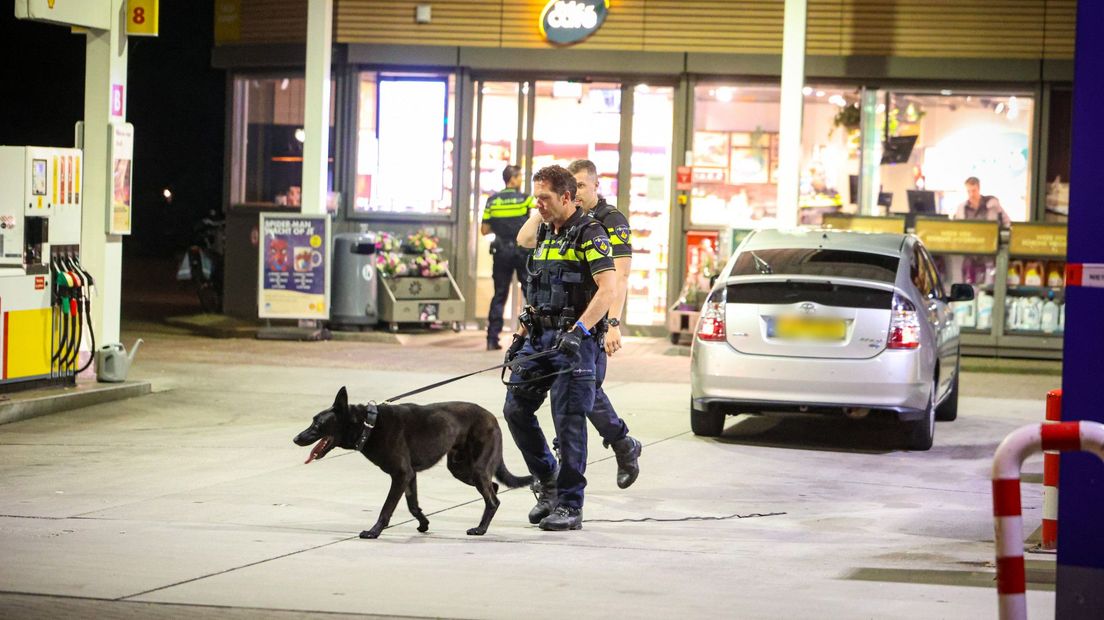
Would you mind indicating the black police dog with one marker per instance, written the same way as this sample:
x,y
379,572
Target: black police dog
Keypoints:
x,y
406,439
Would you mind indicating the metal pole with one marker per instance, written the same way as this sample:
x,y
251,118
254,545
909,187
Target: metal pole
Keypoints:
x,y
316,145
105,90
789,138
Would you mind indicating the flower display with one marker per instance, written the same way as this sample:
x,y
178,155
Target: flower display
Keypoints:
x,y
419,255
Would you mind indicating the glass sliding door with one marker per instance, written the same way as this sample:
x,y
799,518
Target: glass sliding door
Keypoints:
x,y
649,205
583,120
576,120
499,127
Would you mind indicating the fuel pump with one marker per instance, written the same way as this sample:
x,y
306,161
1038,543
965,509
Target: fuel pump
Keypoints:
x,y
44,291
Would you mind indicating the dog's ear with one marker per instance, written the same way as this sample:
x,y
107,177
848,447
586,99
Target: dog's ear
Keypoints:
x,y
341,403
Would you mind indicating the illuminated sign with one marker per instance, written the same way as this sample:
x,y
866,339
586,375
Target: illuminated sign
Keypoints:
x,y
564,22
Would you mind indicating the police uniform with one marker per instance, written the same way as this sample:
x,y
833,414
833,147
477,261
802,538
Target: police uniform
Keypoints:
x,y
606,421
506,212
561,284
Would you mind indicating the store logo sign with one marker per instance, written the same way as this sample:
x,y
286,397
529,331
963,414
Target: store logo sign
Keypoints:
x,y
565,22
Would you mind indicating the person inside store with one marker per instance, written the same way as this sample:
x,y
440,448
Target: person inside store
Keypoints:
x,y
979,269
614,431
571,287
980,207
503,217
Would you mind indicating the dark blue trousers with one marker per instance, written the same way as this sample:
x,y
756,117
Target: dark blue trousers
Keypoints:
x,y
605,420
506,264
572,398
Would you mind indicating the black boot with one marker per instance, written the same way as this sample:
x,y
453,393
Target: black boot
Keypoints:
x,y
627,451
546,493
562,519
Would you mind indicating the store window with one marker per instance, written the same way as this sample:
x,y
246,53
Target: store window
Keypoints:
x,y
938,140
405,138
267,149
735,154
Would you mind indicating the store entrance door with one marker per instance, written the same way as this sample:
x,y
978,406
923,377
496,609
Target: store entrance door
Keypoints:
x,y
538,123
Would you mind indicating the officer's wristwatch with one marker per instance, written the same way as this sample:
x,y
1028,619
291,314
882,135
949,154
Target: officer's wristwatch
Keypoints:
x,y
614,322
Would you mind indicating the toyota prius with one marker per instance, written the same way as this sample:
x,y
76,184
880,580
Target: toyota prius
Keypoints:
x,y
828,322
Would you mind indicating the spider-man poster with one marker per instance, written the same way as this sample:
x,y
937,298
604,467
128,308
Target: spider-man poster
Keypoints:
x,y
295,267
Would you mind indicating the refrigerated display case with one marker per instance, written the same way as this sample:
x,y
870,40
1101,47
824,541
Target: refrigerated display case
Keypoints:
x,y
967,252
1035,295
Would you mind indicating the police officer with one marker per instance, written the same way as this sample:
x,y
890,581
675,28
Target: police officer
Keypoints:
x,y
504,216
572,281
614,431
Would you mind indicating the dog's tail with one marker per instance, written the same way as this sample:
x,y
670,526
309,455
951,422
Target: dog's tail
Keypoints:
x,y
504,476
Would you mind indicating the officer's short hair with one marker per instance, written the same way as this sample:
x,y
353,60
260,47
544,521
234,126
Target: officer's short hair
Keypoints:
x,y
580,165
559,179
509,172
973,181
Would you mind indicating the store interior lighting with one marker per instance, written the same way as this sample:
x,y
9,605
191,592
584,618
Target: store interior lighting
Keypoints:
x,y
567,90
808,90
724,94
284,84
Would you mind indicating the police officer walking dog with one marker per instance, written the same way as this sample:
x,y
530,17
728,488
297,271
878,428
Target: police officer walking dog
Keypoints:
x,y
572,283
614,431
504,215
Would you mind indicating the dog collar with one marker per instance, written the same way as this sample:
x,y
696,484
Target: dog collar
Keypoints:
x,y
370,415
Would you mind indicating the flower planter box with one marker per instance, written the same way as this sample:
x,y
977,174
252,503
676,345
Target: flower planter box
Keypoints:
x,y
680,322
411,299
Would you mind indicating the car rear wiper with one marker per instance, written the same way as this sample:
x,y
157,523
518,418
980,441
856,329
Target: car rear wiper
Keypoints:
x,y
762,265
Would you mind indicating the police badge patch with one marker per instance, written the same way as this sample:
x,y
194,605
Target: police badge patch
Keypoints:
x,y
623,233
602,245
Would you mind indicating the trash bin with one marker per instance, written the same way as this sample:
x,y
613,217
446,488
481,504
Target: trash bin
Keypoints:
x,y
355,301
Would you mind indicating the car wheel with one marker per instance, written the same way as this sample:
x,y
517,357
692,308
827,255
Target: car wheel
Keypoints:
x,y
706,423
919,434
948,409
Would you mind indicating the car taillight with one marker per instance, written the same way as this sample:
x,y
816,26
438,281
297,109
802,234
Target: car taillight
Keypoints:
x,y
711,326
904,325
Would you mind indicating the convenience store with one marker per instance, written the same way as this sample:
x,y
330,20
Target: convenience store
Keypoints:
x,y
425,115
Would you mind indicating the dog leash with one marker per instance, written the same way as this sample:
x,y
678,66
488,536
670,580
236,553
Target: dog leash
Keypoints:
x,y
510,364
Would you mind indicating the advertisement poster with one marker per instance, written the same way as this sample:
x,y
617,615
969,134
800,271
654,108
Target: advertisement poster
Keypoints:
x,y
295,270
122,159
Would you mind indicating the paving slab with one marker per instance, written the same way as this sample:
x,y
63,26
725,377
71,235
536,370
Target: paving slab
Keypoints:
x,y
193,502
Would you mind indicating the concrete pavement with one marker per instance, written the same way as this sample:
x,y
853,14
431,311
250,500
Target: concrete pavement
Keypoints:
x,y
193,502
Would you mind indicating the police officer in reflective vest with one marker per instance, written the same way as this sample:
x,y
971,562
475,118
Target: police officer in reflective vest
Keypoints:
x,y
504,216
571,284
614,431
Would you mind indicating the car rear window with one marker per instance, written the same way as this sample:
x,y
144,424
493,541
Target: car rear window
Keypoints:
x,y
823,293
817,262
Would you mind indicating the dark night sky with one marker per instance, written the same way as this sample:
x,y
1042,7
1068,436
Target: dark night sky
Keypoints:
x,y
175,102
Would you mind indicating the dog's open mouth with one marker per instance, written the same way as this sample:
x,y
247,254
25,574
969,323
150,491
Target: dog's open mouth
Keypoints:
x,y
320,449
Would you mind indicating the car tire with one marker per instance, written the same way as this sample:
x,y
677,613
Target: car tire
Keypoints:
x,y
706,423
920,434
948,409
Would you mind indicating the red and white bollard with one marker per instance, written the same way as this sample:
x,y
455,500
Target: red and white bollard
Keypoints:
x,y
1050,477
1008,517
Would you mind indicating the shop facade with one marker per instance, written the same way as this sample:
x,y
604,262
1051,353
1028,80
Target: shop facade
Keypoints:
x,y
681,121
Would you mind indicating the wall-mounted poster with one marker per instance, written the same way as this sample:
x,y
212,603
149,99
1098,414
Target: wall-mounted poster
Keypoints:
x,y
121,142
711,149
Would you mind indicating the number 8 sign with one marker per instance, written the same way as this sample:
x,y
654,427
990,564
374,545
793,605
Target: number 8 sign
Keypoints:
x,y
142,18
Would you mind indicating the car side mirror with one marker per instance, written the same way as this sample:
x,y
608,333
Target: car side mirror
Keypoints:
x,y
961,292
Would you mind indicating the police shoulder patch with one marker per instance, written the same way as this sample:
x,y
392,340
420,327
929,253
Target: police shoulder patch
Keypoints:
x,y
602,245
623,233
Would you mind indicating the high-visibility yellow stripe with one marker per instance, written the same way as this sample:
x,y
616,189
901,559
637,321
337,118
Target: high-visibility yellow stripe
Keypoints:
x,y
505,211
594,255
615,240
548,253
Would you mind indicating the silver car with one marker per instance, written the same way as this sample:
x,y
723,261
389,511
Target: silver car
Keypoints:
x,y
828,321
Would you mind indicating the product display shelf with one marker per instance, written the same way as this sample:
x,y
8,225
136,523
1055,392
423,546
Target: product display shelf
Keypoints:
x,y
1034,295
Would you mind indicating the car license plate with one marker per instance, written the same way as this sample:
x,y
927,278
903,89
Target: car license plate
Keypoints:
x,y
804,328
